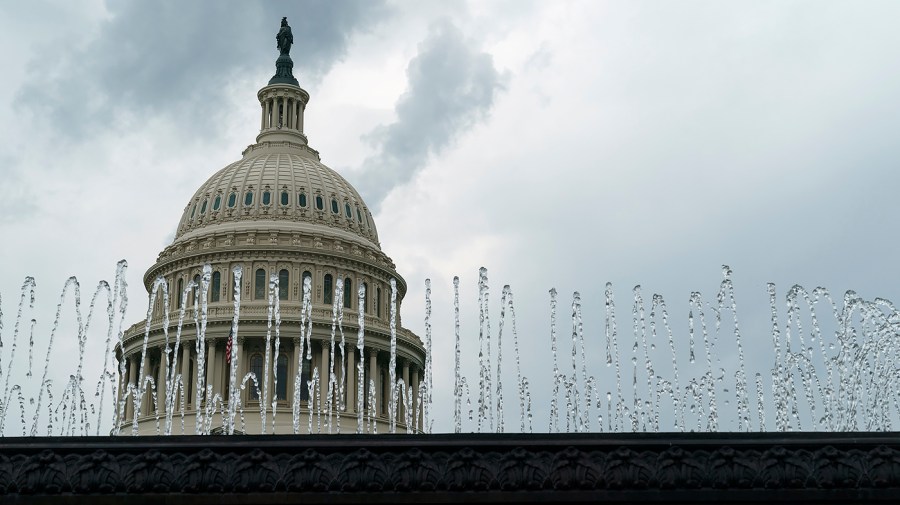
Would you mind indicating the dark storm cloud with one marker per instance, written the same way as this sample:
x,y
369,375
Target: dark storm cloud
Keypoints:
x,y
179,56
452,86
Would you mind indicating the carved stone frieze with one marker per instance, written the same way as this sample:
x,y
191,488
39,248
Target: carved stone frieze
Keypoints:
x,y
636,468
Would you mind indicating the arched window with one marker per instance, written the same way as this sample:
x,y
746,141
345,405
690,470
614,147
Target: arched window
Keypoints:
x,y
203,207
320,204
365,305
302,199
327,294
347,211
193,210
334,206
232,200
248,198
348,293
283,284
267,198
358,215
217,202
259,287
285,198
216,285
281,373
377,302
256,367
178,293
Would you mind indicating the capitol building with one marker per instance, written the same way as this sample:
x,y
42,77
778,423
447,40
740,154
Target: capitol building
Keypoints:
x,y
276,212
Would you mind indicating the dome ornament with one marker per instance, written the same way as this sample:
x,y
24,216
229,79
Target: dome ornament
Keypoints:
x,y
284,66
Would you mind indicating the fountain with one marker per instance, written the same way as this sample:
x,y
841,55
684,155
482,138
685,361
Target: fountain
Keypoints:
x,y
839,379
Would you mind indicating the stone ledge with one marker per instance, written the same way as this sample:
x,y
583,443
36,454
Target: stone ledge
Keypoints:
x,y
508,468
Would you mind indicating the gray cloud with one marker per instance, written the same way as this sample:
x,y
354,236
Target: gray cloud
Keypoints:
x,y
14,201
180,56
452,86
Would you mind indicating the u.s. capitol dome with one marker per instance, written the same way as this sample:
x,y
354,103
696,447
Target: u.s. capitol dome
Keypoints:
x,y
278,214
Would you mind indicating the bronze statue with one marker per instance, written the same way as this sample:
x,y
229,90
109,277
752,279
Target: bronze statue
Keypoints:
x,y
284,38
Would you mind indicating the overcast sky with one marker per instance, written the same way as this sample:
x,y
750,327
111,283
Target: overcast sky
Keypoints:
x,y
558,144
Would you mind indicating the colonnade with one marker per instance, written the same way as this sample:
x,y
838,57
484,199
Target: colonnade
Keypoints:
x,y
217,374
282,112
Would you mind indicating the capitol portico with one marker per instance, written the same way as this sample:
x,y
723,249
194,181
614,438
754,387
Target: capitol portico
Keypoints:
x,y
283,216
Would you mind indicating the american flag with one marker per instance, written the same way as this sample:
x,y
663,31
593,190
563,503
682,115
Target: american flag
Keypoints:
x,y
228,349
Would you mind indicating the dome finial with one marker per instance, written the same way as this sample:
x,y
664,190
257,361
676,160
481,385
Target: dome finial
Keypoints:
x,y
284,66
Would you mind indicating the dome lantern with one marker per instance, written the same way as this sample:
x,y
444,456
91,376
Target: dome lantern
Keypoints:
x,y
282,101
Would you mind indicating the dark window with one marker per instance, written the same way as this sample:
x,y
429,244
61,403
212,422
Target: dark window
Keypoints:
x,y
347,211
358,215
377,302
178,293
334,206
259,288
302,199
217,202
283,284
326,295
285,198
193,210
256,368
203,207
248,198
267,198
348,293
365,305
216,285
281,376
232,200
320,204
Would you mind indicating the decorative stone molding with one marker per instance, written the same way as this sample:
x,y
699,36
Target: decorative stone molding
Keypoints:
x,y
485,468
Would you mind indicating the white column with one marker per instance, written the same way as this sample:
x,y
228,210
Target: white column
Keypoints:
x,y
293,114
161,382
351,381
300,117
241,367
415,395
185,353
130,367
406,385
323,370
262,116
373,375
145,402
212,358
